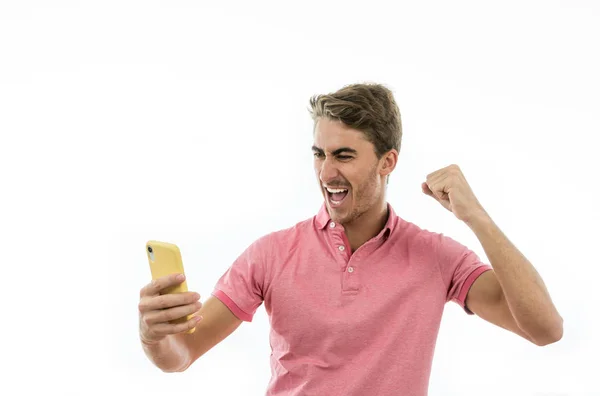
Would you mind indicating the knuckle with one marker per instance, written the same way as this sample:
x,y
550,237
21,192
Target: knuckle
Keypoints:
x,y
177,313
169,315
161,302
146,320
146,289
167,302
143,305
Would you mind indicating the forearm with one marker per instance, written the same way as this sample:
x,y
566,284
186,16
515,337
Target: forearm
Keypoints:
x,y
169,354
524,290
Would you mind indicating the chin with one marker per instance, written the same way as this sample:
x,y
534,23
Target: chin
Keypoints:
x,y
339,215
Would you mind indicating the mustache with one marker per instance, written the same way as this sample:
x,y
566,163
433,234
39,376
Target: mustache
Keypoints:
x,y
337,186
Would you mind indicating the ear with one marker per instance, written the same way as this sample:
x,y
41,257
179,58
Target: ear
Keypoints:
x,y
388,162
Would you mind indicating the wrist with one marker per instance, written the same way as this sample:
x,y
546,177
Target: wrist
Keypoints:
x,y
149,342
479,219
145,339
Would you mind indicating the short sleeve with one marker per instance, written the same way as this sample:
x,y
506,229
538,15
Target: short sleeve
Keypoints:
x,y
241,287
460,267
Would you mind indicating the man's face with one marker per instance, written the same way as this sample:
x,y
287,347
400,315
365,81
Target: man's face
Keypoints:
x,y
348,171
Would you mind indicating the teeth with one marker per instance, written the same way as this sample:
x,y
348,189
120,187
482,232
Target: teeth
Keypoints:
x,y
334,190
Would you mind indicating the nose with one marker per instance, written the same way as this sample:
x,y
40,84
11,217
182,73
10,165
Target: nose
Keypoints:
x,y
327,171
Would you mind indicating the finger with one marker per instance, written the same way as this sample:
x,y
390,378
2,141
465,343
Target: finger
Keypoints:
x,y
425,188
154,288
165,301
164,329
167,315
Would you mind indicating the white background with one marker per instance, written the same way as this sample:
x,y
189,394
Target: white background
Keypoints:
x,y
187,121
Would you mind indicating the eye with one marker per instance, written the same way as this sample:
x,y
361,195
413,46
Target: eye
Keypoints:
x,y
344,157
317,155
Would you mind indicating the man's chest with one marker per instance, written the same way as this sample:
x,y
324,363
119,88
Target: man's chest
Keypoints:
x,y
327,303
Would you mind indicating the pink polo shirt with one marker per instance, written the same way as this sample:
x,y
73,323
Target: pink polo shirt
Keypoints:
x,y
347,324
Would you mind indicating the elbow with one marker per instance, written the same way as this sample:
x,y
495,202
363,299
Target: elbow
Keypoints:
x,y
547,340
174,369
550,335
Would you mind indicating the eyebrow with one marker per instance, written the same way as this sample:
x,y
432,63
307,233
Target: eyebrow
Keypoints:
x,y
338,151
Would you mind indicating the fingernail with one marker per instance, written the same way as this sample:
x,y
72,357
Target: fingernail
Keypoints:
x,y
180,277
199,318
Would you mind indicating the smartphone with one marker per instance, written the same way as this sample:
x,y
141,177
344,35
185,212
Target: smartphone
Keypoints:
x,y
165,259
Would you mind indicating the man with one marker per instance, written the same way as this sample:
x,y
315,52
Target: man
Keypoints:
x,y
355,295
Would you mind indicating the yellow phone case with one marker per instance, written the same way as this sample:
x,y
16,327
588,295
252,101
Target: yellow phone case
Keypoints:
x,y
165,259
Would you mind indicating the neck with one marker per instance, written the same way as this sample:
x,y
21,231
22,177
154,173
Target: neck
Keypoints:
x,y
367,226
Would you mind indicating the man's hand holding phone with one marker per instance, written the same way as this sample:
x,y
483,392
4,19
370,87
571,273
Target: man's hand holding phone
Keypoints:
x,y
157,310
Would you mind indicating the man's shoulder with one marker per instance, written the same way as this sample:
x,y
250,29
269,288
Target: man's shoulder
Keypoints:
x,y
426,239
291,234
298,229
412,232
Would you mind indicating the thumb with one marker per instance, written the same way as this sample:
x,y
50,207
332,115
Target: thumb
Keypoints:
x,y
427,190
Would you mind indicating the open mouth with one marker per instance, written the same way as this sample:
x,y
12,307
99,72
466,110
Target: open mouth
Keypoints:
x,y
336,195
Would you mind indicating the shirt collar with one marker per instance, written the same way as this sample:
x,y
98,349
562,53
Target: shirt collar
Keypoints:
x,y
323,218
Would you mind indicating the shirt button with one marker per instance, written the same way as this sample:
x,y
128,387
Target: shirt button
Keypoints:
x,y
341,247
350,269
332,224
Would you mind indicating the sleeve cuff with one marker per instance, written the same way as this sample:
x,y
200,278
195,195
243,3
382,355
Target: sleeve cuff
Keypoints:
x,y
467,286
233,307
